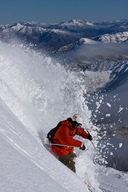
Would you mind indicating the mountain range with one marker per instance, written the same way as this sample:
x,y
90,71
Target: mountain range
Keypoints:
x,y
64,36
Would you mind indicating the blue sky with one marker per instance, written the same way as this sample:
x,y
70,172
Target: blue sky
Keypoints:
x,y
51,11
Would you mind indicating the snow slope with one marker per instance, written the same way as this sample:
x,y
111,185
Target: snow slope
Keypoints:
x,y
25,164
35,93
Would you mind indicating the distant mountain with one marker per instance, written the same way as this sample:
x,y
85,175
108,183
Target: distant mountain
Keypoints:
x,y
121,37
117,72
65,35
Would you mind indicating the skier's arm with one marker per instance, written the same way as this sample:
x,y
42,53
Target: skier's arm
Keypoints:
x,y
81,132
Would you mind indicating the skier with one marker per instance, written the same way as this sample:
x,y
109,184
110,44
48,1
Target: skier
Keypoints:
x,y
64,135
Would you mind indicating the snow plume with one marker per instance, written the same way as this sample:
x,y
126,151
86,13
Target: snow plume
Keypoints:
x,y
100,51
37,93
34,85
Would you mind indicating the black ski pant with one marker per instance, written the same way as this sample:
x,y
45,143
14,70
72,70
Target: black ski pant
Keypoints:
x,y
68,160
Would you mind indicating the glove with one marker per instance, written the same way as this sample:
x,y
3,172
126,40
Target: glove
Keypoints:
x,y
89,137
83,147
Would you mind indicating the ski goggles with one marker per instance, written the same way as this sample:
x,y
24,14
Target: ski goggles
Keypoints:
x,y
78,124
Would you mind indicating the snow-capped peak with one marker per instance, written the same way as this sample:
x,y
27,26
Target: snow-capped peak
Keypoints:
x,y
77,22
114,38
17,27
87,41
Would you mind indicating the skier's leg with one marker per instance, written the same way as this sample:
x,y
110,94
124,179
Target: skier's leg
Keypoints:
x,y
68,160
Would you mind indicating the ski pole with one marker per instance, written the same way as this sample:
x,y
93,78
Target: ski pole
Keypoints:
x,y
93,145
60,145
92,142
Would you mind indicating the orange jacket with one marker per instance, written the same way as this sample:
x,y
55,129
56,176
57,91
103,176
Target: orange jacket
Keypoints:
x,y
64,136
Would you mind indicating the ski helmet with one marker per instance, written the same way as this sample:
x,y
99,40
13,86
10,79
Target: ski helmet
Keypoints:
x,y
78,118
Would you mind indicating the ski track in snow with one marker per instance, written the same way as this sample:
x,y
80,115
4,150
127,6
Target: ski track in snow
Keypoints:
x,y
36,93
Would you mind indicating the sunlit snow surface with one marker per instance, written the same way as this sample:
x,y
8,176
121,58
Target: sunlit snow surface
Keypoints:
x,y
36,93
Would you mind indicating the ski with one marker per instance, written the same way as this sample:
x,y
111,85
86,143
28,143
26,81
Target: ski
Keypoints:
x,y
90,188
